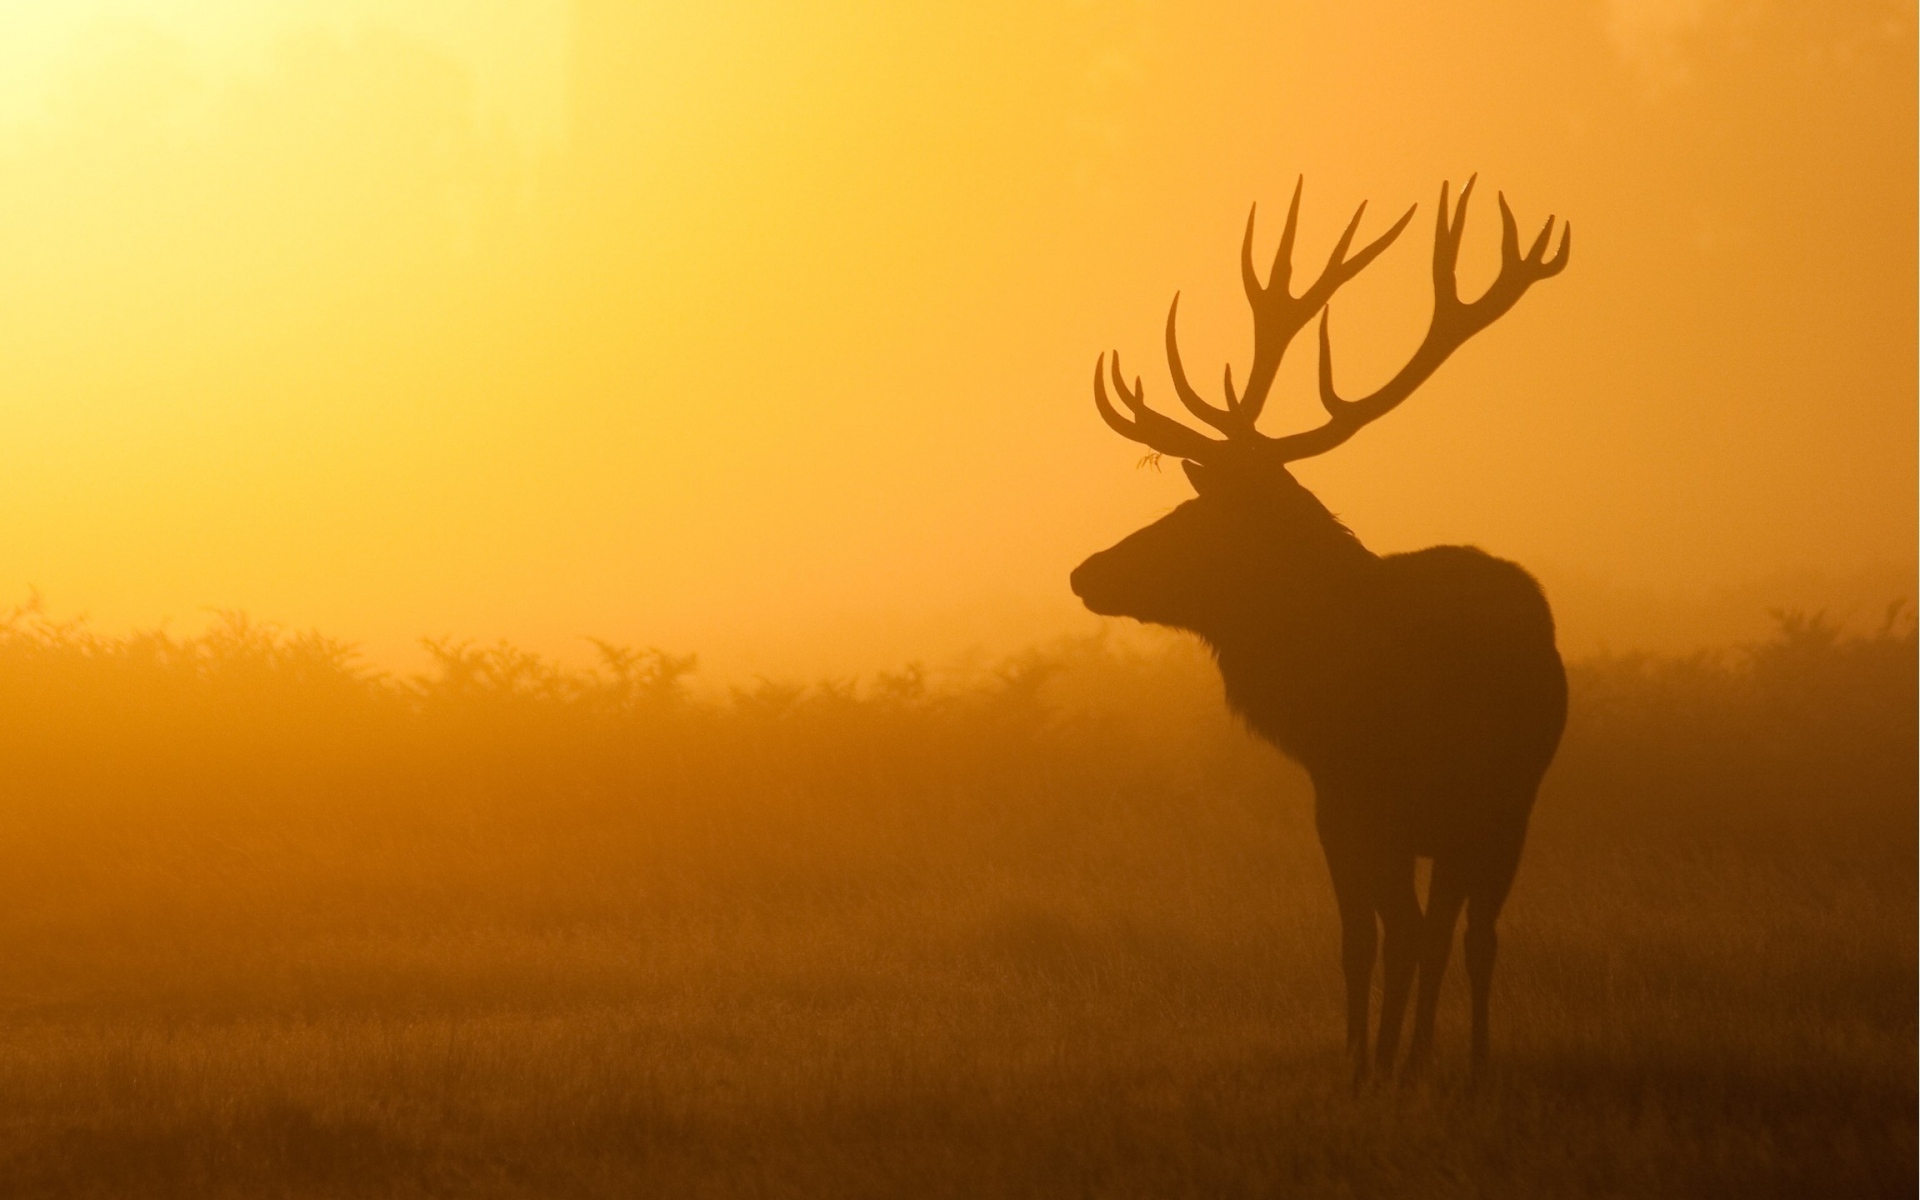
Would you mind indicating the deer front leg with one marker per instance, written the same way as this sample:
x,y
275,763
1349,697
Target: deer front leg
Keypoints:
x,y
1400,921
1357,945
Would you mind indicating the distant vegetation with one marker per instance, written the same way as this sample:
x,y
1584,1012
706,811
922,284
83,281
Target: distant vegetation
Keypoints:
x,y
272,921
1807,726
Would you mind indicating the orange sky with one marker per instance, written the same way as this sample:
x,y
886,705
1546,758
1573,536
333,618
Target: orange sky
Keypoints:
x,y
765,330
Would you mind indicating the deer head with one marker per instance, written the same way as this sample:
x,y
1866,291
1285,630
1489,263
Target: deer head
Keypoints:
x,y
1251,517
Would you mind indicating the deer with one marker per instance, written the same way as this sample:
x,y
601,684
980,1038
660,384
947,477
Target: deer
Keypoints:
x,y
1422,692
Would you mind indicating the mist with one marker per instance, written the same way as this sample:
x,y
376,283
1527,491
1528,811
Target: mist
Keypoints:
x,y
767,335
537,656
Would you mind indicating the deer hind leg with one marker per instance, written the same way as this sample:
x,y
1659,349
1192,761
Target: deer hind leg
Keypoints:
x,y
1445,897
1481,944
1399,908
1485,898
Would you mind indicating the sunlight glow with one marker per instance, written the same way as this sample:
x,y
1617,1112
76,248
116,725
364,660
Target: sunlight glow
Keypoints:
x,y
764,329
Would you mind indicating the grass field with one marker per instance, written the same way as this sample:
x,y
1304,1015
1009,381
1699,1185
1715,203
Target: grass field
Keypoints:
x,y
273,927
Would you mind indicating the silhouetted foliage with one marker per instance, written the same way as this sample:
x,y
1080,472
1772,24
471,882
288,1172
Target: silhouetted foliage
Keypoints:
x,y
1807,727
1809,731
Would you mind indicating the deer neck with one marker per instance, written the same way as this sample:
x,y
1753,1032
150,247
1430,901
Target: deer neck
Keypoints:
x,y
1297,639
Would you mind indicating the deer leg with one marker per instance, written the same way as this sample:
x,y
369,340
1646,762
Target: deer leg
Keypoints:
x,y
1400,924
1356,957
1357,942
1485,897
1481,943
1445,896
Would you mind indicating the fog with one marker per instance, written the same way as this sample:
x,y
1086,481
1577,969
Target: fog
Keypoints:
x,y
539,658
765,331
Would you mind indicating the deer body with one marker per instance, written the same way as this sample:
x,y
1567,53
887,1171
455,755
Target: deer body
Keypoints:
x,y
1422,692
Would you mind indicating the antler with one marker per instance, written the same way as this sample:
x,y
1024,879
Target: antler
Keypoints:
x,y
1147,427
1454,321
1278,316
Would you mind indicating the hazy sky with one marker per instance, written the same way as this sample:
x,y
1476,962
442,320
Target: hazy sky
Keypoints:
x,y
765,330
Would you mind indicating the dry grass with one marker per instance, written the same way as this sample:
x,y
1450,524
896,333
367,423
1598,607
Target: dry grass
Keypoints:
x,y
271,927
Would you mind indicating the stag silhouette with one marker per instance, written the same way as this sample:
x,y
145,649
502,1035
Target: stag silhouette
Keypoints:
x,y
1422,692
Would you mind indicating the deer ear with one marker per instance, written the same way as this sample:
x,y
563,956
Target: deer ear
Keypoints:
x,y
1196,475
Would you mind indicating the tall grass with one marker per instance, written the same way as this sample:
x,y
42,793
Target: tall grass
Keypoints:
x,y
274,923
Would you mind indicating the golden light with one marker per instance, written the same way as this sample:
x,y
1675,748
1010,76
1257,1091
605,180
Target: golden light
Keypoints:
x,y
764,330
